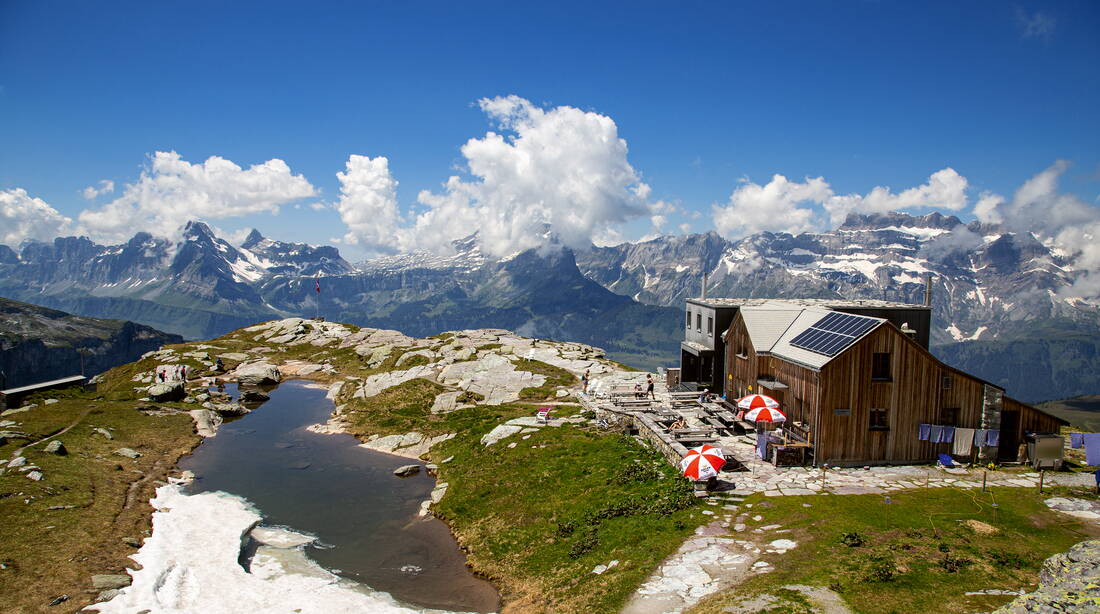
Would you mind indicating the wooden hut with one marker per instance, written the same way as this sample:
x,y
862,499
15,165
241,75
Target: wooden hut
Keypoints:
x,y
856,388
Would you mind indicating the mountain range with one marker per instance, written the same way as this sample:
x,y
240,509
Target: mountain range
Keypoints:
x,y
1001,300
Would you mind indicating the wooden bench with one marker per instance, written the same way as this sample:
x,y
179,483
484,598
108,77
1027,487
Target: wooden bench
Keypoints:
x,y
632,402
718,426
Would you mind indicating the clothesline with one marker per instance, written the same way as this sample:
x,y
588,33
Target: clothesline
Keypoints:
x,y
1091,443
936,433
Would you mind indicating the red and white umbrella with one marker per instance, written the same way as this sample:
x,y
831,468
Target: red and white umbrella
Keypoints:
x,y
702,462
765,414
754,401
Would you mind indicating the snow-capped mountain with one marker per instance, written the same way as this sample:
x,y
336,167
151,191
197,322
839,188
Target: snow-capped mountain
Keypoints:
x,y
986,281
1004,303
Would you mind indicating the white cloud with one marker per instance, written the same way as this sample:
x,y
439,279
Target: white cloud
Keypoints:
x,y
1065,221
685,228
23,217
172,191
368,204
560,169
773,206
658,221
987,208
1037,25
782,205
946,189
106,186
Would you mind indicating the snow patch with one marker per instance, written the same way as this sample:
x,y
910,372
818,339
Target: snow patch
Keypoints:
x,y
190,565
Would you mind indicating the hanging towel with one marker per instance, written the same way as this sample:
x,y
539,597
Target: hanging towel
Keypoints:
x,y
1092,449
1077,440
762,445
992,438
923,431
979,437
947,435
935,434
964,442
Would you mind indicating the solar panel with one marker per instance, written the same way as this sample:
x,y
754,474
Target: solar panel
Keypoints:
x,y
833,333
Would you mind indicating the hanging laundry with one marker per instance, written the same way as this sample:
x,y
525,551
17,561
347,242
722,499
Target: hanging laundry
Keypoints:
x,y
1092,449
992,438
935,434
923,431
947,435
762,445
979,437
964,442
1077,440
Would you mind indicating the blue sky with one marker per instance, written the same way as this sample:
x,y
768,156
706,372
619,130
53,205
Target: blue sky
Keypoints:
x,y
705,95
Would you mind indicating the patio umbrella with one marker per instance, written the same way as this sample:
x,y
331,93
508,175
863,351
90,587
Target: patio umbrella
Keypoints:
x,y
765,414
702,462
754,401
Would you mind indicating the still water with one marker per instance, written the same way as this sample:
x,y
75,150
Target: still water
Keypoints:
x,y
364,517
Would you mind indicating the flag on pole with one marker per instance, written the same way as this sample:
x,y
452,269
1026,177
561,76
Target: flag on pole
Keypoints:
x,y
317,285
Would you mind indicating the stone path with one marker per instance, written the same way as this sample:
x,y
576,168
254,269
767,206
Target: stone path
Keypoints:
x,y
712,560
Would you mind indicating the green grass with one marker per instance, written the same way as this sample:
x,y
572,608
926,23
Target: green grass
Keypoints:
x,y
538,517
915,554
403,408
555,377
52,552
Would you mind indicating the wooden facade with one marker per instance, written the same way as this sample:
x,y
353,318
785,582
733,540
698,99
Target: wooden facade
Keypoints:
x,y
856,419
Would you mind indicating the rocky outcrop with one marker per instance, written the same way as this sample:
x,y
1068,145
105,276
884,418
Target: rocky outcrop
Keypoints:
x,y
1068,582
39,344
168,391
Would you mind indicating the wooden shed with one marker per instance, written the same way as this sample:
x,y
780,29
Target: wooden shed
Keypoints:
x,y
857,388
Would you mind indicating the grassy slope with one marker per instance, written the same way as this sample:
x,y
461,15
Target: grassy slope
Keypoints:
x,y
1083,412
909,547
50,553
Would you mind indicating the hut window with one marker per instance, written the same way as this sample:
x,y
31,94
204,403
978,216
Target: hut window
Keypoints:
x,y
950,416
947,382
880,366
688,319
710,325
699,322
880,421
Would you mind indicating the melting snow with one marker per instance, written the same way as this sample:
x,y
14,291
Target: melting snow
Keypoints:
x,y
190,565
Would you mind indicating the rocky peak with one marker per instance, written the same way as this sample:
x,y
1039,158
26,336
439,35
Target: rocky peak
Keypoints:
x,y
876,221
253,239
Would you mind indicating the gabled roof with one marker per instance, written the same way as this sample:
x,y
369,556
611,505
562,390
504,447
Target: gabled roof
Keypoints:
x,y
772,326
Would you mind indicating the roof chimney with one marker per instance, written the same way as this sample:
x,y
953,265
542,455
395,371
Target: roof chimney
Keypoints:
x,y
703,295
928,290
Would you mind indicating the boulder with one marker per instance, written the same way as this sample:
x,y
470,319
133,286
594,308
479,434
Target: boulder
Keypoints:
x,y
206,422
405,471
102,431
18,461
253,395
168,391
258,374
56,447
128,452
35,475
228,409
1067,583
102,582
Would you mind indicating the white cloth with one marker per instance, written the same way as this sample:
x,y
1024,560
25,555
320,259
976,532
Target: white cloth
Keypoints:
x,y
964,440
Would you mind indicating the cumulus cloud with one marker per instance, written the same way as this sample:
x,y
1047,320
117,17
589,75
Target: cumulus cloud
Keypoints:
x,y
172,191
561,170
24,217
775,206
106,186
782,205
368,204
1063,220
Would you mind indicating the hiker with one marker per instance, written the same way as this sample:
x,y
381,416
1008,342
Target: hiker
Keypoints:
x,y
219,365
161,374
584,382
649,386
638,391
183,372
678,424
705,395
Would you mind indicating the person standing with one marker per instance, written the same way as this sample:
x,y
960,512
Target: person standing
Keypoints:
x,y
649,386
584,382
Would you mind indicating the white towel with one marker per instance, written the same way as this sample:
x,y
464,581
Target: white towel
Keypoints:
x,y
964,439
